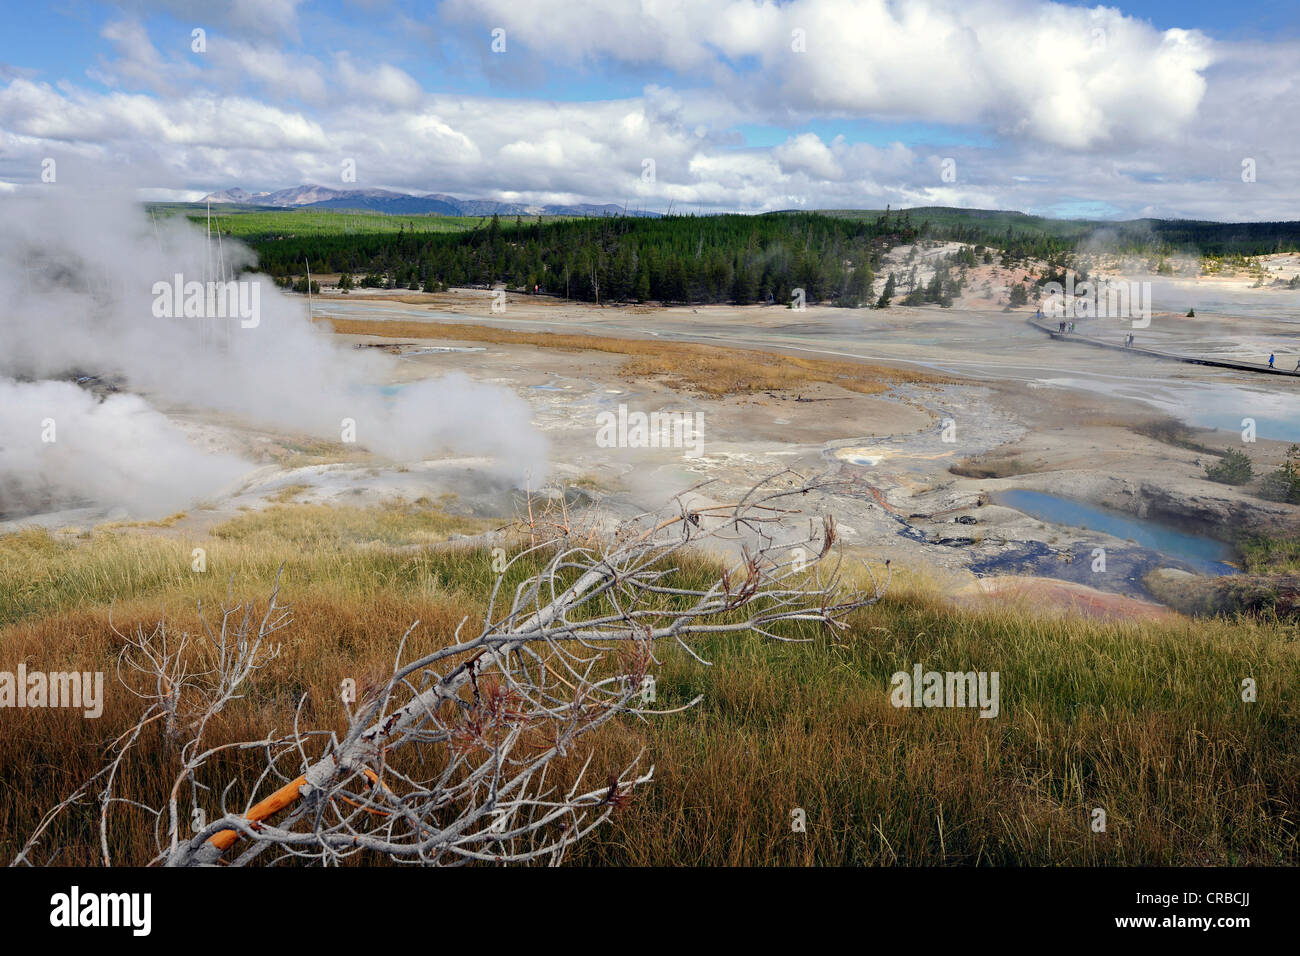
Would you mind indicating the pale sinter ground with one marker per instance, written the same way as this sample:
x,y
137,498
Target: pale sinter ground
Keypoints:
x,y
1053,416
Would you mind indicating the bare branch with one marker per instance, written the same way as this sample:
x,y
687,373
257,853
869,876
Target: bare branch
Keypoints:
x,y
460,755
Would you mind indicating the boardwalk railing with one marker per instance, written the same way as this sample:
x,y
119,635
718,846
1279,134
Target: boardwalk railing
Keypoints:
x,y
1261,367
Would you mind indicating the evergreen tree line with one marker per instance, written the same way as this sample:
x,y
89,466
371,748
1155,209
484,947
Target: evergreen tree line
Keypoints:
x,y
678,259
675,259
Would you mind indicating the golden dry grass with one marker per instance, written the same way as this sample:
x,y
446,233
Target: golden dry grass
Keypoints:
x,y
709,369
1143,719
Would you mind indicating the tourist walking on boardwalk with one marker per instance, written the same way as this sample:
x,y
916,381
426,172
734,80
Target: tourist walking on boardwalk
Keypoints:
x,y
1270,360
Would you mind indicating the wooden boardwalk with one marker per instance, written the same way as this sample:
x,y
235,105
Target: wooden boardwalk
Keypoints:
x,y
1259,367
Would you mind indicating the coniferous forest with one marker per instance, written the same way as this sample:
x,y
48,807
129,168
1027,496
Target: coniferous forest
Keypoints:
x,y
679,259
700,259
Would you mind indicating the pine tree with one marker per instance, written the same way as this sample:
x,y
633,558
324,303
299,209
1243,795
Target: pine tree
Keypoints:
x,y
934,290
858,287
887,294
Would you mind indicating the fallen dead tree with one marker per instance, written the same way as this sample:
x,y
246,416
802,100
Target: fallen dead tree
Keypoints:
x,y
452,758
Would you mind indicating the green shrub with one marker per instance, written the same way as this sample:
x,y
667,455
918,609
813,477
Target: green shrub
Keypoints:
x,y
1234,468
1284,484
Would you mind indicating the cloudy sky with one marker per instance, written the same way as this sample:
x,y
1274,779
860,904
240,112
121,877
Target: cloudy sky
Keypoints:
x,y
1153,107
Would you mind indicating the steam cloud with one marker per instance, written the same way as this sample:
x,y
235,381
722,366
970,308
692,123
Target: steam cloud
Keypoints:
x,y
77,276
119,452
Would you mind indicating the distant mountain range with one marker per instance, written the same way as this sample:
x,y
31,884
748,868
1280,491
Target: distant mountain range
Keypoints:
x,y
386,201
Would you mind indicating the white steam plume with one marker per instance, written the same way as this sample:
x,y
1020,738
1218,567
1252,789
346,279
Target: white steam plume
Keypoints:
x,y
60,446
77,290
